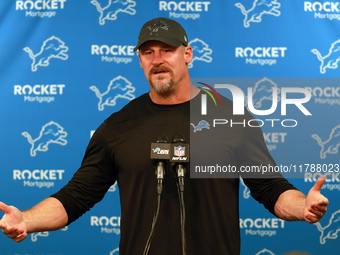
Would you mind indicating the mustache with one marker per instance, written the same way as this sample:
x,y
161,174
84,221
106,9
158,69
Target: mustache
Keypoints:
x,y
156,69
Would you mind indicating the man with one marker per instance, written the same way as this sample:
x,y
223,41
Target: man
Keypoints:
x,y
119,150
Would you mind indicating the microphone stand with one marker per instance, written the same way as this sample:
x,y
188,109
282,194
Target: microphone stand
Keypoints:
x,y
178,161
180,188
160,170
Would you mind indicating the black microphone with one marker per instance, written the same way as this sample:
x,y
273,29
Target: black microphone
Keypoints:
x,y
179,155
160,152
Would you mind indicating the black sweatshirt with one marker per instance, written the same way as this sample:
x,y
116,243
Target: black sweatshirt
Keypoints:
x,y
120,150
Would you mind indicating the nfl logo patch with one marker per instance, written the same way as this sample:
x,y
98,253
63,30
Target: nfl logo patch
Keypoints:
x,y
179,151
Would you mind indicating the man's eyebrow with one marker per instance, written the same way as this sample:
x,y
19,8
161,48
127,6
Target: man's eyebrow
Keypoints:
x,y
144,49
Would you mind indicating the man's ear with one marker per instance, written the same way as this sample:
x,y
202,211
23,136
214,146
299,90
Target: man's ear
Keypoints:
x,y
188,54
140,61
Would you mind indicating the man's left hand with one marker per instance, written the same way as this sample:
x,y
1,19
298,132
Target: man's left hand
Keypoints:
x,y
316,203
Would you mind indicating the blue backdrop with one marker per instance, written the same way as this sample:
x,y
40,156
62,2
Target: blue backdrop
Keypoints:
x,y
58,58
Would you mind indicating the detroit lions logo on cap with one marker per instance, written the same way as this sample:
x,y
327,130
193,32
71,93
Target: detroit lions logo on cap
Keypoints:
x,y
159,25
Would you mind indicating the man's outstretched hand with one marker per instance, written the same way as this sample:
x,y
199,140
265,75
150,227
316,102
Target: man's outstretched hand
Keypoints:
x,y
12,223
316,204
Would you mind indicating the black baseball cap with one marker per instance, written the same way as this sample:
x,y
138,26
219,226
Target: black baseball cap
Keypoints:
x,y
164,30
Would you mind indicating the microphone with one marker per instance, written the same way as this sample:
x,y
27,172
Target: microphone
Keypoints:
x,y
179,155
160,152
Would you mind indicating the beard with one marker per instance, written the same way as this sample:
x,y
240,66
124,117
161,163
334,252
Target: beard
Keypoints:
x,y
161,84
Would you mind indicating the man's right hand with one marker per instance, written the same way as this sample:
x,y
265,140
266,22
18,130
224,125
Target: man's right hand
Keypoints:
x,y
12,223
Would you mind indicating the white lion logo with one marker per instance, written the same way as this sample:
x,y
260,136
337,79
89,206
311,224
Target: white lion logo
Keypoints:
x,y
259,8
113,7
119,87
52,132
53,47
331,145
201,51
331,59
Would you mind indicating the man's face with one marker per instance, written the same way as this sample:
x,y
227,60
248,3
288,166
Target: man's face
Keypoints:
x,y
164,65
